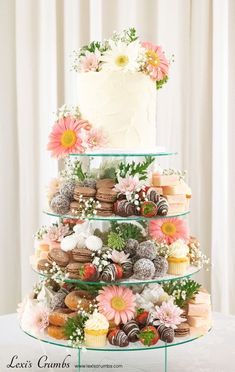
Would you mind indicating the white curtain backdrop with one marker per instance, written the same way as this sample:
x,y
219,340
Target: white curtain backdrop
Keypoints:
x,y
195,116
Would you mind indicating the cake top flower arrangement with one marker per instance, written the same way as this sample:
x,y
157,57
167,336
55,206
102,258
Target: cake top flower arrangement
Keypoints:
x,y
125,52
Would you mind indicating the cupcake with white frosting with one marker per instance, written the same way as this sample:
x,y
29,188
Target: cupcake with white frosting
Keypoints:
x,y
96,329
178,260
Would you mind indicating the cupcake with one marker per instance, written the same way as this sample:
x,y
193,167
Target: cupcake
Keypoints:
x,y
96,329
178,260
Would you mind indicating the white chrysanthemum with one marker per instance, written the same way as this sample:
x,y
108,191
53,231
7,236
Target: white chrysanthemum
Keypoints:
x,y
150,297
122,56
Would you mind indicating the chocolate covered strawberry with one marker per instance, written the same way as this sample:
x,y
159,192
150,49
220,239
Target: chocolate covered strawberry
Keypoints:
x,y
149,336
119,271
143,193
142,317
112,334
88,272
148,209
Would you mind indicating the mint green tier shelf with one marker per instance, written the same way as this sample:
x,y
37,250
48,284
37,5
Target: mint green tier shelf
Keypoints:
x,y
125,154
192,270
114,218
137,346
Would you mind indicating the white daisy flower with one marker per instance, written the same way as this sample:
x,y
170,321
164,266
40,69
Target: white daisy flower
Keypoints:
x,y
122,56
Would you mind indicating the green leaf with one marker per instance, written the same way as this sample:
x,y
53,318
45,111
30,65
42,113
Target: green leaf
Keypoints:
x,y
182,290
127,230
140,169
160,83
116,241
131,34
147,337
78,171
72,324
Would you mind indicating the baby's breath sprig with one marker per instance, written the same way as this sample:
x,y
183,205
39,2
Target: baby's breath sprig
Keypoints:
x,y
126,36
163,249
65,111
41,232
197,258
177,172
53,272
87,209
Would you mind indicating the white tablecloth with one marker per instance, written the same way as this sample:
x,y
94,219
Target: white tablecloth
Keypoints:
x,y
214,352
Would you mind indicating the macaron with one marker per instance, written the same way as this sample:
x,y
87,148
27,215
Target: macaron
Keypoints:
x,y
108,183
86,192
105,209
182,330
75,207
58,256
73,270
106,195
44,265
81,255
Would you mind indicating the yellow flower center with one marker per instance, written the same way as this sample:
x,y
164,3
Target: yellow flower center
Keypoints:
x,y
118,303
122,60
168,228
153,58
68,138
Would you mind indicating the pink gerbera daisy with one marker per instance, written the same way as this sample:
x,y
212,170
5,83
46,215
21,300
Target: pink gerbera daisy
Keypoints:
x,y
157,66
65,137
168,230
117,303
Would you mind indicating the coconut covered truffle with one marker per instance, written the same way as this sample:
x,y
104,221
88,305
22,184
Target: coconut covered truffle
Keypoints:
x,y
131,247
144,269
161,266
67,189
147,249
60,204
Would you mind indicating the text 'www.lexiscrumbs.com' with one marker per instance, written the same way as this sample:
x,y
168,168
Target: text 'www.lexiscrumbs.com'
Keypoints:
x,y
100,366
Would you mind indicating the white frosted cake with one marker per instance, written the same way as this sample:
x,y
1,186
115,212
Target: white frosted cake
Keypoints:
x,y
122,103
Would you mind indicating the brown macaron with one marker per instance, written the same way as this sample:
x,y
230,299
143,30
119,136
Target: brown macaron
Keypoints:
x,y
183,329
58,256
105,209
81,255
44,265
79,299
106,195
107,183
103,213
73,270
75,207
86,192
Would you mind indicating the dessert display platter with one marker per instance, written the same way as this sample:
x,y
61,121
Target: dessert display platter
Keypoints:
x,y
115,269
